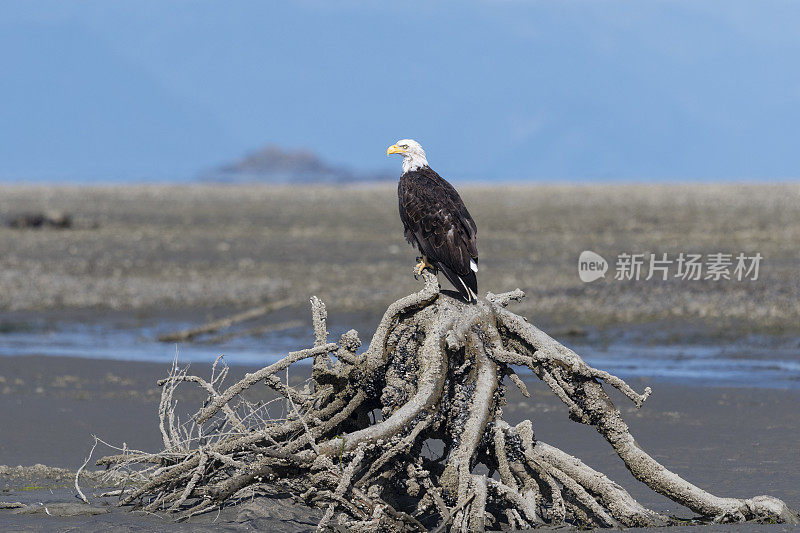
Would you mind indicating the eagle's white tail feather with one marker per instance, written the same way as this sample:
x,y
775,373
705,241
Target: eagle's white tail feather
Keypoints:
x,y
469,292
471,296
473,265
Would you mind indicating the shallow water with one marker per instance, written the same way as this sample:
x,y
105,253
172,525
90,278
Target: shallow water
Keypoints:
x,y
128,339
752,362
739,365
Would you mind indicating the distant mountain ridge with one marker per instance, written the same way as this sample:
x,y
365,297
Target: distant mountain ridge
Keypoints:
x,y
274,164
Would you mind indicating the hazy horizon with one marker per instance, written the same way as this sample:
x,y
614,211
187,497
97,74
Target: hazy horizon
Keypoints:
x,y
619,91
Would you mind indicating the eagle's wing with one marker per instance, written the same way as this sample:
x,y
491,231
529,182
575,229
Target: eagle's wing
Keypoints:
x,y
436,219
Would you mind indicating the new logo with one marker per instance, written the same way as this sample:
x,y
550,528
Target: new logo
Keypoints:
x,y
591,266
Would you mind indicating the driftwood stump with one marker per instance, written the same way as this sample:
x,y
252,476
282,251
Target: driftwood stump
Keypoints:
x,y
353,440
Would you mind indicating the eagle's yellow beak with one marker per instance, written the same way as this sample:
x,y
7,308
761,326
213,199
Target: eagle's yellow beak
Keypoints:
x,y
394,149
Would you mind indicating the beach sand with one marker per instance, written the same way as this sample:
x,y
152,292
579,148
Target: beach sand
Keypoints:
x,y
732,441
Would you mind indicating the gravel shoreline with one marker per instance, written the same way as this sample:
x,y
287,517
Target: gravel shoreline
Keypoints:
x,y
155,248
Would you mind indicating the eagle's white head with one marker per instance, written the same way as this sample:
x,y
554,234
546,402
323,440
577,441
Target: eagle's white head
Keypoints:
x,y
413,154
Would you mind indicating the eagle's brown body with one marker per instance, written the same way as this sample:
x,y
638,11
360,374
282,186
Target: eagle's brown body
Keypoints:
x,y
436,220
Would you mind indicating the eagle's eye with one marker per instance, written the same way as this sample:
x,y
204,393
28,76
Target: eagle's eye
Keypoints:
x,y
404,146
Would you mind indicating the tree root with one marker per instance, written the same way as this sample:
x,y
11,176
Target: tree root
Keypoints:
x,y
434,371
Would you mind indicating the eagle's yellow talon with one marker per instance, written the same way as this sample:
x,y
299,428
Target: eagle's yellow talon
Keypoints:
x,y
422,265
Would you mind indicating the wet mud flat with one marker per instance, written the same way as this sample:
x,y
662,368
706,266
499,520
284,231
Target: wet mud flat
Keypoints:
x,y
732,441
181,255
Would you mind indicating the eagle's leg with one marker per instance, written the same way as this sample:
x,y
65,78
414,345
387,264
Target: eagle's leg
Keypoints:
x,y
422,264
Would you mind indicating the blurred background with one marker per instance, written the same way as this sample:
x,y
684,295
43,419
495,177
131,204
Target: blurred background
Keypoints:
x,y
100,92
167,164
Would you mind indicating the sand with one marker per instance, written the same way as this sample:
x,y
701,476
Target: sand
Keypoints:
x,y
732,441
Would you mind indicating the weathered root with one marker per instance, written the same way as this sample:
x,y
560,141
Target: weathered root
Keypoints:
x,y
613,497
578,386
433,373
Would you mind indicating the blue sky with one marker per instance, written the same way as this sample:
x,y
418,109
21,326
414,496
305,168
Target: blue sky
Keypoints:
x,y
562,90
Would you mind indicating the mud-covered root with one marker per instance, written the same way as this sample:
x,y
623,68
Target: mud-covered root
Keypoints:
x,y
579,386
409,435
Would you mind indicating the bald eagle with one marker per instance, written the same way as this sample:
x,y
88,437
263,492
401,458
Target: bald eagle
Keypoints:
x,y
436,221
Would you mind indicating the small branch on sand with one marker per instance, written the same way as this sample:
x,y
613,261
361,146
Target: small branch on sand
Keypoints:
x,y
435,368
252,332
216,325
